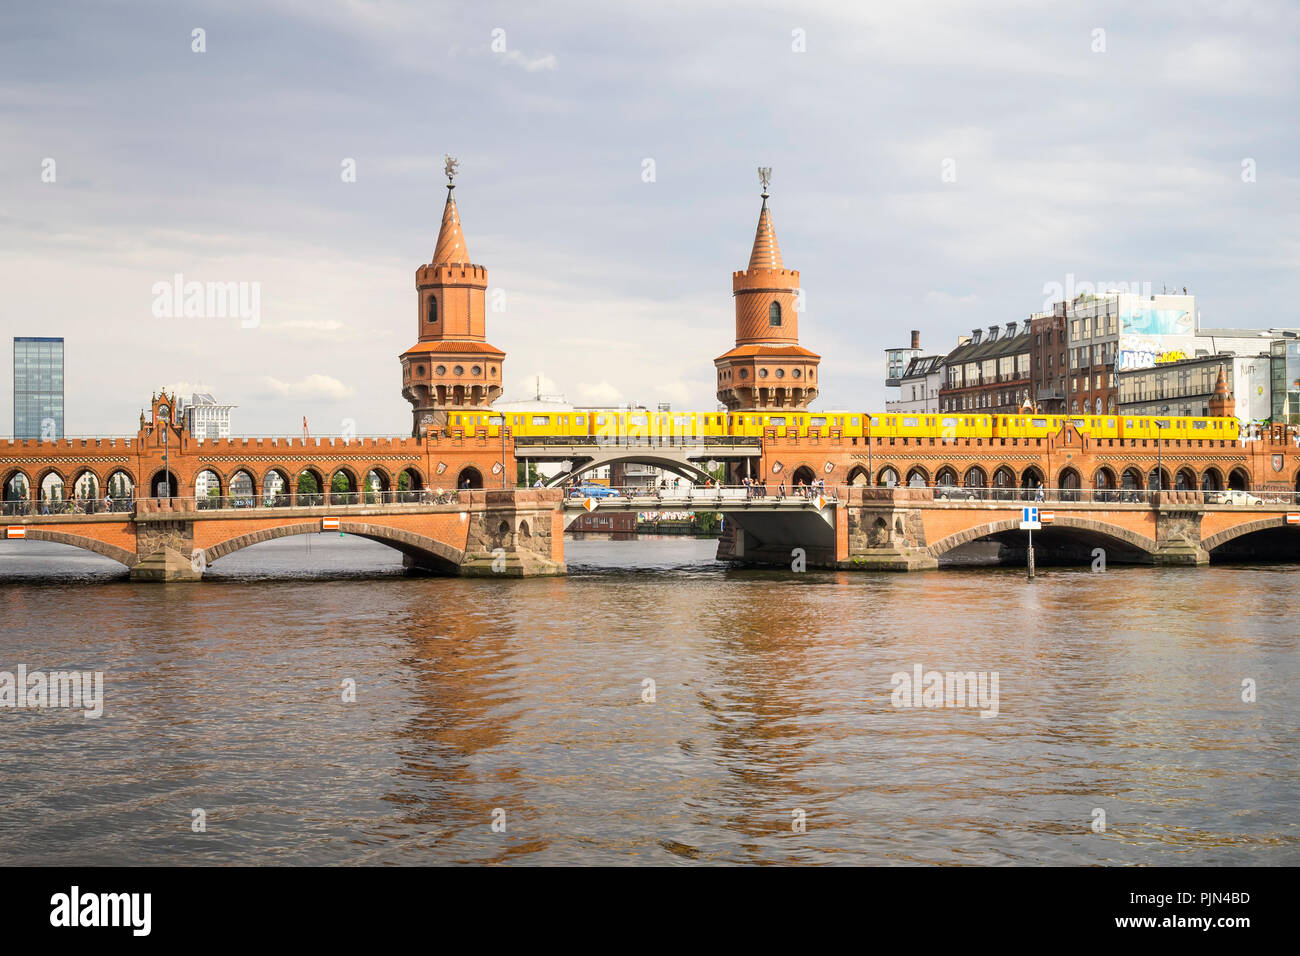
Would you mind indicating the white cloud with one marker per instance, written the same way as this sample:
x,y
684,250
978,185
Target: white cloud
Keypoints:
x,y
315,386
601,393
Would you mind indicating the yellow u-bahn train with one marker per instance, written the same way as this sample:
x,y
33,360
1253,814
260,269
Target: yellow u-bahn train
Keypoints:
x,y
642,424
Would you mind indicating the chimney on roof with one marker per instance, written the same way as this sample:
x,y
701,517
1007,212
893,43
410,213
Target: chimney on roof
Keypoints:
x,y
916,339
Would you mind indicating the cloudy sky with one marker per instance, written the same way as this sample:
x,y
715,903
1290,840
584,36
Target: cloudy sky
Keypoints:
x,y
1108,142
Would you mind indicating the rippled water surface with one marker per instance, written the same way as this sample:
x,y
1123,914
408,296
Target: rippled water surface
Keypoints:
x,y
1119,691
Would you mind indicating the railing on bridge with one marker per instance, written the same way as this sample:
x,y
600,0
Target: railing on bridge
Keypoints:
x,y
214,503
1147,496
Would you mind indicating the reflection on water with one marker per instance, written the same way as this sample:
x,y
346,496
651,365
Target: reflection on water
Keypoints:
x,y
1119,691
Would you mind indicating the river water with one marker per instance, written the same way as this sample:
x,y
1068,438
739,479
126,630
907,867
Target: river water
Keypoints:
x,y
522,702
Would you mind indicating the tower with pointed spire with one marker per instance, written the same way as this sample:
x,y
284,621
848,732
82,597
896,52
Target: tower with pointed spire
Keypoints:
x,y
767,369
1222,404
452,366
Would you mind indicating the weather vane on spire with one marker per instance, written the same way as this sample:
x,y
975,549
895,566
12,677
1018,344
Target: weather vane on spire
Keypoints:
x,y
449,166
765,177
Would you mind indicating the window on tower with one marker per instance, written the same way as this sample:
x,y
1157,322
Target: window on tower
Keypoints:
x,y
433,310
774,314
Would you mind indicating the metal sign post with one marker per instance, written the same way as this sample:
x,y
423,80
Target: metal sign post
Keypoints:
x,y
1029,521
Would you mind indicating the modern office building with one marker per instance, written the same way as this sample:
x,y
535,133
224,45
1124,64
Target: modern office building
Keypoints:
x,y
1285,363
205,417
38,388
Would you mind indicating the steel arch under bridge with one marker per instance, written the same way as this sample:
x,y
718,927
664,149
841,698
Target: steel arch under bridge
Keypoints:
x,y
679,455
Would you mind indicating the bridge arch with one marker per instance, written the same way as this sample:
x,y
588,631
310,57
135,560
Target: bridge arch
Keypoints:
x,y
377,482
860,476
275,487
1103,479
1086,528
686,469
1212,480
1131,478
469,477
428,551
1239,479
1185,479
1031,477
918,477
120,555
946,477
1071,484
976,477
120,484
1271,537
309,487
162,483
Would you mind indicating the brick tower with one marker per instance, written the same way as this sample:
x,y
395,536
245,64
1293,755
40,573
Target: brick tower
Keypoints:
x,y
1222,404
452,366
767,369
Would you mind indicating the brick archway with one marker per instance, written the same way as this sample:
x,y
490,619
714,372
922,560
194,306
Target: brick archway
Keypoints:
x,y
1248,527
1133,540
120,555
407,542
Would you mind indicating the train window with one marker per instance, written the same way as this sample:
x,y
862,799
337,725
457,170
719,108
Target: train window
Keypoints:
x,y
541,419
600,419
855,420
638,419
1079,422
952,422
494,420
1200,426
820,422
911,422
1110,423
874,420
579,419
1038,422
519,419
776,420
1129,423
682,420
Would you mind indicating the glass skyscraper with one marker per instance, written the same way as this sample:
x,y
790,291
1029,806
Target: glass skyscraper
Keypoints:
x,y
38,388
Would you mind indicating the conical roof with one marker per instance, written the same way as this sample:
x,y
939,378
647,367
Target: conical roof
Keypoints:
x,y
451,241
766,254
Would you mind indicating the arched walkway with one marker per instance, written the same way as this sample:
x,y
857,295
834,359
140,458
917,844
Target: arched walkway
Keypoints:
x,y
428,551
469,477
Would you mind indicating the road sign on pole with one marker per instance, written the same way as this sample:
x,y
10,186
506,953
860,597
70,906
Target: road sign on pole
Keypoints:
x,y
1029,519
